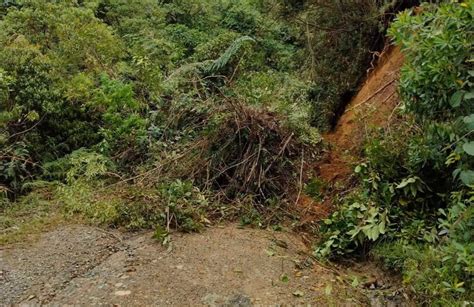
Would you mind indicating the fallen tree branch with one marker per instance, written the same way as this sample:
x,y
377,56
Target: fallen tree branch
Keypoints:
x,y
373,95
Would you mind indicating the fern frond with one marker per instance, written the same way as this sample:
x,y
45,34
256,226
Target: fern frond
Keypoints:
x,y
225,58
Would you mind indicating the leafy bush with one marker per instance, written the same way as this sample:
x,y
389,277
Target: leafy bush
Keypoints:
x,y
438,274
444,87
48,72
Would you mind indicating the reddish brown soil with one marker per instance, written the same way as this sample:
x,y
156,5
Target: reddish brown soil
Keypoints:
x,y
372,107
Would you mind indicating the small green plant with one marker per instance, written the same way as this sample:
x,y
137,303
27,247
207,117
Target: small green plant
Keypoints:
x,y
161,234
443,40
185,205
357,224
315,188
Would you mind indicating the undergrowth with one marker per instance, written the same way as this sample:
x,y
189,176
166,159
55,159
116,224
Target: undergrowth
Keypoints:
x,y
141,114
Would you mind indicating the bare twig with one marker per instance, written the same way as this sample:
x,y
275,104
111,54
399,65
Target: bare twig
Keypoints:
x,y
301,178
373,95
29,129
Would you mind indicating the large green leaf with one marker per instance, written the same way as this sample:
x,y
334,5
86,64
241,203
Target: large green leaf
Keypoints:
x,y
456,99
469,121
467,177
406,182
469,148
469,96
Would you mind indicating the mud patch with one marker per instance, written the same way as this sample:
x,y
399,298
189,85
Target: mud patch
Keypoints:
x,y
372,107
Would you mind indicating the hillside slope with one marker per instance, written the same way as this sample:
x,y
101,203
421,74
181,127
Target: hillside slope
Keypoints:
x,y
372,107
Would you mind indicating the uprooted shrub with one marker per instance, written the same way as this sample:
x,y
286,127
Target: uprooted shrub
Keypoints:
x,y
252,151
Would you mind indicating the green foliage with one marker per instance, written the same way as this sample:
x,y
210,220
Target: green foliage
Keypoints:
x,y
414,204
50,59
315,188
357,223
177,204
134,81
437,80
185,205
81,165
283,94
15,166
224,59
438,274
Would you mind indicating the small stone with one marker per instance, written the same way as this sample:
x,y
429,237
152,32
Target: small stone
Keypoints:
x,y
370,284
238,300
123,292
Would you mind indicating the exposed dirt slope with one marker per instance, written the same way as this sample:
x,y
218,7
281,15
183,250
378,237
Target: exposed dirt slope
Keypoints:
x,y
372,107
224,266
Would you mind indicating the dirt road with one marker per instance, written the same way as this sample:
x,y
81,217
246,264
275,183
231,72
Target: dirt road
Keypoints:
x,y
224,266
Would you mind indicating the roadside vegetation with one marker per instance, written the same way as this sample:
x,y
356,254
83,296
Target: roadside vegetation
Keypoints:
x,y
413,209
170,113
146,113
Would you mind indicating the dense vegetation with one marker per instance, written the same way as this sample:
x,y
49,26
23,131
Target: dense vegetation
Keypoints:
x,y
414,205
171,114
214,98
99,92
